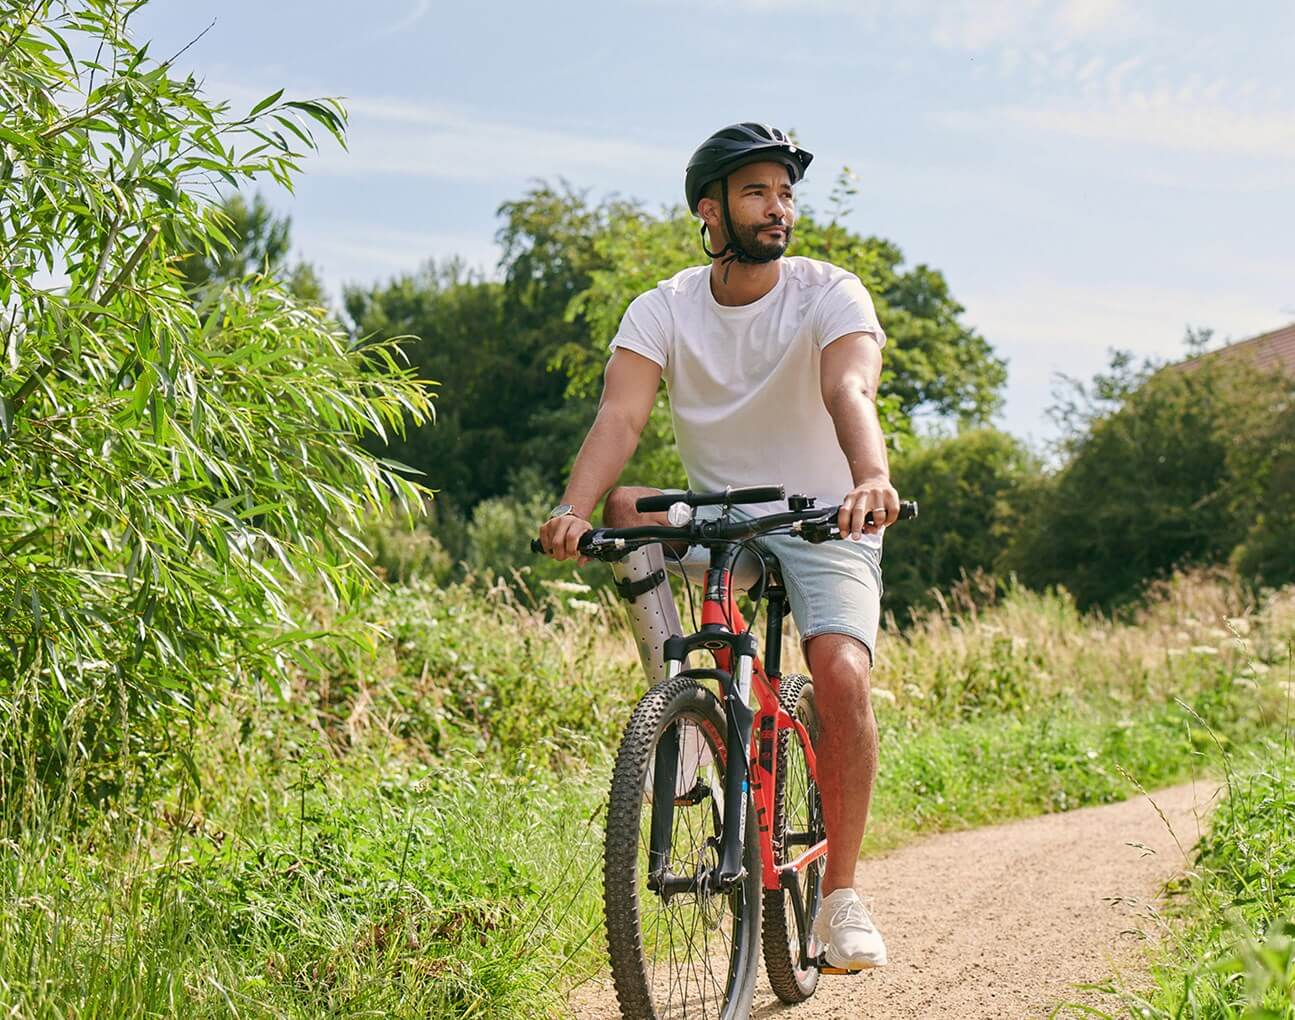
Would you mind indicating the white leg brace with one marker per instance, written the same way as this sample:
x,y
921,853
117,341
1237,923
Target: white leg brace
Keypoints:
x,y
653,618
652,612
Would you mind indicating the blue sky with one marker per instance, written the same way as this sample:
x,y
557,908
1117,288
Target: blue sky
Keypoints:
x,y
1087,173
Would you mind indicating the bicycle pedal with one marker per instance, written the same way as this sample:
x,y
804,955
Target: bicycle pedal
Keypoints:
x,y
826,968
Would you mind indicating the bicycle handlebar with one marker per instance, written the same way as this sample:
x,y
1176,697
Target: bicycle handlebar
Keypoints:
x,y
727,497
815,524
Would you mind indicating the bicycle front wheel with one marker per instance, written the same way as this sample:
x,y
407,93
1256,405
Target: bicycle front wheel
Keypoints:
x,y
678,946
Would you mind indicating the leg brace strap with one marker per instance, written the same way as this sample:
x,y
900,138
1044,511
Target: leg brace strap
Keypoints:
x,y
631,590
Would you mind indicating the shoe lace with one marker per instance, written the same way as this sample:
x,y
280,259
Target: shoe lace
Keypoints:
x,y
852,913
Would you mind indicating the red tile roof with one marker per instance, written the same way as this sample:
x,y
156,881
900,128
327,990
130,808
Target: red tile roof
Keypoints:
x,y
1273,351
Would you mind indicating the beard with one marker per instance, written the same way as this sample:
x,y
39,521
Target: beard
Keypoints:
x,y
753,243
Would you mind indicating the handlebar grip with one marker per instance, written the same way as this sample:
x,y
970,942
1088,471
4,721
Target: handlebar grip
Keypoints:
x,y
661,501
756,494
537,546
907,511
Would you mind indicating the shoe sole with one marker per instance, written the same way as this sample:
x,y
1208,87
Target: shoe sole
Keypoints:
x,y
825,966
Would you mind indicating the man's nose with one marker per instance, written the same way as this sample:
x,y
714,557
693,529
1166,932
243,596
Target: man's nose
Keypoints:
x,y
778,208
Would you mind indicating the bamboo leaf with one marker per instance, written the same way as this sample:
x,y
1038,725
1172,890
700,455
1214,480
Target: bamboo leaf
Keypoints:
x,y
267,102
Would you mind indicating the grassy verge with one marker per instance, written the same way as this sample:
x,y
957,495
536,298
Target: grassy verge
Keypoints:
x,y
1228,947
415,830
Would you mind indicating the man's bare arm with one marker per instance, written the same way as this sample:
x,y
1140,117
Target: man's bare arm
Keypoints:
x,y
850,378
629,390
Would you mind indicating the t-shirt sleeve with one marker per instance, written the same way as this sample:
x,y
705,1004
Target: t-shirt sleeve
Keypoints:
x,y
847,308
645,328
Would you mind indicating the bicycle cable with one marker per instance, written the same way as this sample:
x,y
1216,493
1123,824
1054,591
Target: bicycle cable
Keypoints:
x,y
687,585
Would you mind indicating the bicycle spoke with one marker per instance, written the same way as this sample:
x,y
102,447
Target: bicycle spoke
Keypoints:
x,y
688,938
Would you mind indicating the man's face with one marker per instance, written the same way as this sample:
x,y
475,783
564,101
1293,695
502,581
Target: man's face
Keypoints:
x,y
762,207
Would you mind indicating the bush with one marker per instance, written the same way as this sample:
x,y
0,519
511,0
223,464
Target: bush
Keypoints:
x,y
970,489
169,471
1154,485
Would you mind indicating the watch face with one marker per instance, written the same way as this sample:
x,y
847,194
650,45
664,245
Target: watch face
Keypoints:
x,y
561,510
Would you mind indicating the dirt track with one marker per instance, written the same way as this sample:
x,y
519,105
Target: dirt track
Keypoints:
x,y
1000,922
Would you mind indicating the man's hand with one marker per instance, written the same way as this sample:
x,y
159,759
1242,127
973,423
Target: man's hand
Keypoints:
x,y
560,537
875,494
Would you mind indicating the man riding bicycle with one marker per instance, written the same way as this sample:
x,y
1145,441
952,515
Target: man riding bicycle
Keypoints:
x,y
772,365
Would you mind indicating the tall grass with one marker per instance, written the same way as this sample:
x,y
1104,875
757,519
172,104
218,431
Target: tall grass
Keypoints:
x,y
414,828
1228,951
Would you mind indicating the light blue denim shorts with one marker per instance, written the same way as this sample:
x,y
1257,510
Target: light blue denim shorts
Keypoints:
x,y
833,587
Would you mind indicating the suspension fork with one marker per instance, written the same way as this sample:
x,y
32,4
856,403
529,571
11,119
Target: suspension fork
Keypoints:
x,y
722,634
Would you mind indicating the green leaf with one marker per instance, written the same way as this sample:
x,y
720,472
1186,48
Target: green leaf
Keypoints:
x,y
18,138
267,102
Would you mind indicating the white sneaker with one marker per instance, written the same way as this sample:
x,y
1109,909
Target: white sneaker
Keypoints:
x,y
846,932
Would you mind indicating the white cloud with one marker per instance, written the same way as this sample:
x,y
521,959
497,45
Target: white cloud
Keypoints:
x,y
1084,17
1164,122
360,253
396,136
413,12
1045,327
973,24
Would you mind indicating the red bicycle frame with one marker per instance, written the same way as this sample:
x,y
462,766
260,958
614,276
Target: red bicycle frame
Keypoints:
x,y
719,610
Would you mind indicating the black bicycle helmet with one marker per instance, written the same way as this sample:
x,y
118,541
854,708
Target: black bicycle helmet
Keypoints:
x,y
735,146
725,151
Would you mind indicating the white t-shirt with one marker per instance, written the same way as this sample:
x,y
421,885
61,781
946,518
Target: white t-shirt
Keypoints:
x,y
745,392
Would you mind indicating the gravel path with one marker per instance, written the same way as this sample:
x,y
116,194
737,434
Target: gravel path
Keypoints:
x,y
1000,922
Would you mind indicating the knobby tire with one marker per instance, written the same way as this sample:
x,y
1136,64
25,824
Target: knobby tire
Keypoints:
x,y
724,988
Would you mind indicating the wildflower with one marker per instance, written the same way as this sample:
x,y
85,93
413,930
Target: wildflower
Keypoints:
x,y
570,587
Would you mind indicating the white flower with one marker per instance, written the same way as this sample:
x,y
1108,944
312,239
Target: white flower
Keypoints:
x,y
584,606
574,587
883,694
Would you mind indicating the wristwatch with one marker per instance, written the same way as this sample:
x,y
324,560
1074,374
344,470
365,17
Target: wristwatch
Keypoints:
x,y
561,510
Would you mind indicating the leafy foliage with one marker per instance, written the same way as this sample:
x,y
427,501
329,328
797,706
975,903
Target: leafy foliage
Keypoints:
x,y
973,490
1174,476
259,242
171,472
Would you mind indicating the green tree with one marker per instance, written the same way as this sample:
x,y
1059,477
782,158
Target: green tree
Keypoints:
x,y
1266,457
972,490
1155,483
173,474
502,409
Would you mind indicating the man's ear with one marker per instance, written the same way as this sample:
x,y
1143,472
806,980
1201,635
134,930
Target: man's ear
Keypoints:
x,y
709,211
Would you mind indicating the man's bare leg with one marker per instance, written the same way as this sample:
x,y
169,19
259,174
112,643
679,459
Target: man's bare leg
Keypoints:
x,y
847,748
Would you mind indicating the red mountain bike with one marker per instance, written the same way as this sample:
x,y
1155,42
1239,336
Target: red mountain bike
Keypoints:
x,y
689,898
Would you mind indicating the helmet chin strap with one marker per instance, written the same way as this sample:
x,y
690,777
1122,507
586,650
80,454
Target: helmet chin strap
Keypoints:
x,y
733,250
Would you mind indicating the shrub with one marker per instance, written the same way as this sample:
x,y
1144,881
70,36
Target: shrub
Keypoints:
x,y
970,488
170,472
